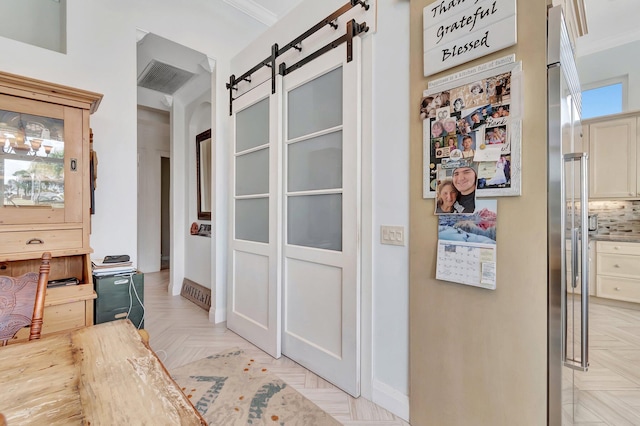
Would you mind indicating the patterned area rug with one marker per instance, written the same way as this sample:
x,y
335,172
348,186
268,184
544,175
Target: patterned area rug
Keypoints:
x,y
231,389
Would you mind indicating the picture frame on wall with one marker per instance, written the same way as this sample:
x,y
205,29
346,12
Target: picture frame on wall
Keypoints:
x,y
204,230
477,117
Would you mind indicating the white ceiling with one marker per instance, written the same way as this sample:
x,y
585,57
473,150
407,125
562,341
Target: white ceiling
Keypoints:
x,y
152,47
265,11
610,23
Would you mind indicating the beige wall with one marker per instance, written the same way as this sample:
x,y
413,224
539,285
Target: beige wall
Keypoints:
x,y
479,357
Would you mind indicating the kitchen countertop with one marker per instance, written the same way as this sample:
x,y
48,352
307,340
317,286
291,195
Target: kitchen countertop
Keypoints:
x,y
632,238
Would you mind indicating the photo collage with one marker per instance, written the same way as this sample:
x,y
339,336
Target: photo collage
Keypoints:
x,y
469,141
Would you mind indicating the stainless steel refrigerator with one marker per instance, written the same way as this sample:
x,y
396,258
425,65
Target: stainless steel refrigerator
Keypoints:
x,y
567,222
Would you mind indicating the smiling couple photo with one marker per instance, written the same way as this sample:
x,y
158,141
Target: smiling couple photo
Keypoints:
x,y
456,187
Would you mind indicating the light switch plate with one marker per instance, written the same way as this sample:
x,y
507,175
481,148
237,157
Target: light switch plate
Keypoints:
x,y
393,235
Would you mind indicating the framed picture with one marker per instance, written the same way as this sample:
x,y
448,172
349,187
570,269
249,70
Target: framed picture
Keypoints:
x,y
478,118
203,174
204,230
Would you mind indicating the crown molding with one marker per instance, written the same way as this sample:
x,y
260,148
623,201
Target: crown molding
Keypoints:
x,y
140,34
167,100
208,64
254,10
580,17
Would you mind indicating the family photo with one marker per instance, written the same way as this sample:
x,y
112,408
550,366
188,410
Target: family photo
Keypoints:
x,y
468,122
456,189
494,174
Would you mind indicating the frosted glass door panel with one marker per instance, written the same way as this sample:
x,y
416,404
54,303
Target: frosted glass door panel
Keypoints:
x,y
315,163
315,221
252,173
252,126
252,219
316,105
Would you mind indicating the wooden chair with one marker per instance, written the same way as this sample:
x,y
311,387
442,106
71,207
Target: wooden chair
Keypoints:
x,y
22,301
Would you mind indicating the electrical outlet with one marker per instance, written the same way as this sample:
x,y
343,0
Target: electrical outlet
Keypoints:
x,y
393,235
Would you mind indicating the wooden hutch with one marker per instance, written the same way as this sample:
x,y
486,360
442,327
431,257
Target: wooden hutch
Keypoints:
x,y
45,192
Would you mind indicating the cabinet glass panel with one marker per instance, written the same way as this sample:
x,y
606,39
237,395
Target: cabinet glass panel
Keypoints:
x,y
315,163
316,105
32,160
315,221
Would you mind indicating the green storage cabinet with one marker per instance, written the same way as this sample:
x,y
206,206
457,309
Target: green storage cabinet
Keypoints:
x,y
113,301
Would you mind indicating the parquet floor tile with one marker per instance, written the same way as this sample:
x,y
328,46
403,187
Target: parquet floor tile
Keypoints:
x,y
180,332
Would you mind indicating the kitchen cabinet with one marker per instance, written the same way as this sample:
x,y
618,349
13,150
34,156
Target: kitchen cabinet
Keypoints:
x,y
613,156
45,192
618,271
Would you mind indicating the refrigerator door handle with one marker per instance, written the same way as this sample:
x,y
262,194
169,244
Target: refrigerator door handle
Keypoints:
x,y
580,269
584,269
575,275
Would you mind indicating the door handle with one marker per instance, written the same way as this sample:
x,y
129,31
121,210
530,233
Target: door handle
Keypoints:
x,y
579,243
584,297
575,234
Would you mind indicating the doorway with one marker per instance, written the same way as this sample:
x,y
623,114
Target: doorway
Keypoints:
x,y
153,147
168,74
294,282
165,229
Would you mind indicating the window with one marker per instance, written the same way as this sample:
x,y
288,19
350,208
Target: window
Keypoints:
x,y
602,100
37,22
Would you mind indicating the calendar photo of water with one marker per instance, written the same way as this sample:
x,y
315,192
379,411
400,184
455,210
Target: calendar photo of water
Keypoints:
x,y
467,246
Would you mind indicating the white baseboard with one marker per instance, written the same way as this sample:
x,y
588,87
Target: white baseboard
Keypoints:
x,y
217,315
391,399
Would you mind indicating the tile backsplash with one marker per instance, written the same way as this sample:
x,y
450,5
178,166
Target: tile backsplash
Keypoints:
x,y
617,217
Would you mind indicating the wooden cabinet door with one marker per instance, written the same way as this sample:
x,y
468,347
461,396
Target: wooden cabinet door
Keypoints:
x,y
612,158
43,169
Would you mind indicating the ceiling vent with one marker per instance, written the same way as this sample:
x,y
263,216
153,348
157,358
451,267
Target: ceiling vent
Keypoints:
x,y
163,77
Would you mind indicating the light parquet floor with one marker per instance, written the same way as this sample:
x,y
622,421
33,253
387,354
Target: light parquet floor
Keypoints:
x,y
609,393
180,332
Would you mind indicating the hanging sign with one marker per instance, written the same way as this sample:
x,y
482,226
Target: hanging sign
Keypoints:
x,y
458,31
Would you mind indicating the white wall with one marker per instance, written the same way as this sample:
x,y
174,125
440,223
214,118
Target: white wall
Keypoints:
x,y
197,247
101,57
385,277
621,61
391,205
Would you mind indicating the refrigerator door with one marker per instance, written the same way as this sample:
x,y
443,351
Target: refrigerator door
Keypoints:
x,y
567,239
